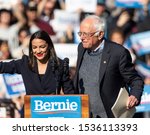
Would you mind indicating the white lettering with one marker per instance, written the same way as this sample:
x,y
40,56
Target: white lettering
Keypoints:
x,y
145,97
38,105
55,106
46,106
73,106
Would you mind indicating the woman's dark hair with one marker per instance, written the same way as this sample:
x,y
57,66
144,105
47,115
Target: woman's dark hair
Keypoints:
x,y
23,29
51,52
117,30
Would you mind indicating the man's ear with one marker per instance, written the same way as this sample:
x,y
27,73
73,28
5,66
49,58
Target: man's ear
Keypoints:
x,y
101,35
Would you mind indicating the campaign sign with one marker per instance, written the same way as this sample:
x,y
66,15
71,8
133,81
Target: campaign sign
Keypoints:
x,y
55,106
129,3
14,84
84,5
145,100
143,68
64,20
140,43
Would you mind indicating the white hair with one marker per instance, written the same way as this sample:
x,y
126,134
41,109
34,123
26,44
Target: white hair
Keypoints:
x,y
99,22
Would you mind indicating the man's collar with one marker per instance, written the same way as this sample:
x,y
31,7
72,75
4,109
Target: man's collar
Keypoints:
x,y
98,49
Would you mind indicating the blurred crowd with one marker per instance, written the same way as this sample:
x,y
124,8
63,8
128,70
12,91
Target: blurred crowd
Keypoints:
x,y
20,18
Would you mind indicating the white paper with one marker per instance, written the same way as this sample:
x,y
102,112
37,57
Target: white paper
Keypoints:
x,y
119,108
3,112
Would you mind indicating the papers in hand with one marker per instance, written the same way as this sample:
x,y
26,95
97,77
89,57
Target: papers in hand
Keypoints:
x,y
119,108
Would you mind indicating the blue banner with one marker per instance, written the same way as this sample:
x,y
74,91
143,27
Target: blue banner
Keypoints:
x,y
129,3
140,43
55,106
145,101
143,68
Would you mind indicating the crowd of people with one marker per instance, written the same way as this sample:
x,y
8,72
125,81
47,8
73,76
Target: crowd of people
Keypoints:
x,y
20,20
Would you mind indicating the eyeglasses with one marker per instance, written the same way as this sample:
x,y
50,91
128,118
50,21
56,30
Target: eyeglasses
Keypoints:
x,y
87,34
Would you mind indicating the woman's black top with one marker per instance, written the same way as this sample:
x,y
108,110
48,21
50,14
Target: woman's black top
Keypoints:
x,y
46,84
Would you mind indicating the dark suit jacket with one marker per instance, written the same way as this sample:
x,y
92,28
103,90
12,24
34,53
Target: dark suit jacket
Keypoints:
x,y
116,70
31,79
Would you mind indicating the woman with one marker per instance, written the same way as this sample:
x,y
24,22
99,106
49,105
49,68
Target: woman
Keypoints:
x,y
4,50
42,71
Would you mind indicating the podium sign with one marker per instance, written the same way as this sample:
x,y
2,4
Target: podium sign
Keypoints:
x,y
53,106
59,106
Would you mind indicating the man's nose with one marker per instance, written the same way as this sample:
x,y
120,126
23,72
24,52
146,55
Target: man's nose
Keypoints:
x,y
82,37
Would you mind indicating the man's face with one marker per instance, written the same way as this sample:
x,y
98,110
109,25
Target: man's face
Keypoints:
x,y
89,35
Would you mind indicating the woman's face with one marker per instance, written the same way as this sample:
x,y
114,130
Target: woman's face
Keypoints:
x,y
40,49
5,18
4,49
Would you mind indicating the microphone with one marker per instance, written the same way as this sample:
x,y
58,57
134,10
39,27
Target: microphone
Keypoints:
x,y
66,65
56,75
53,65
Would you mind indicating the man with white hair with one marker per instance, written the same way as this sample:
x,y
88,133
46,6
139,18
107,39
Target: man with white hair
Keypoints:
x,y
103,67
